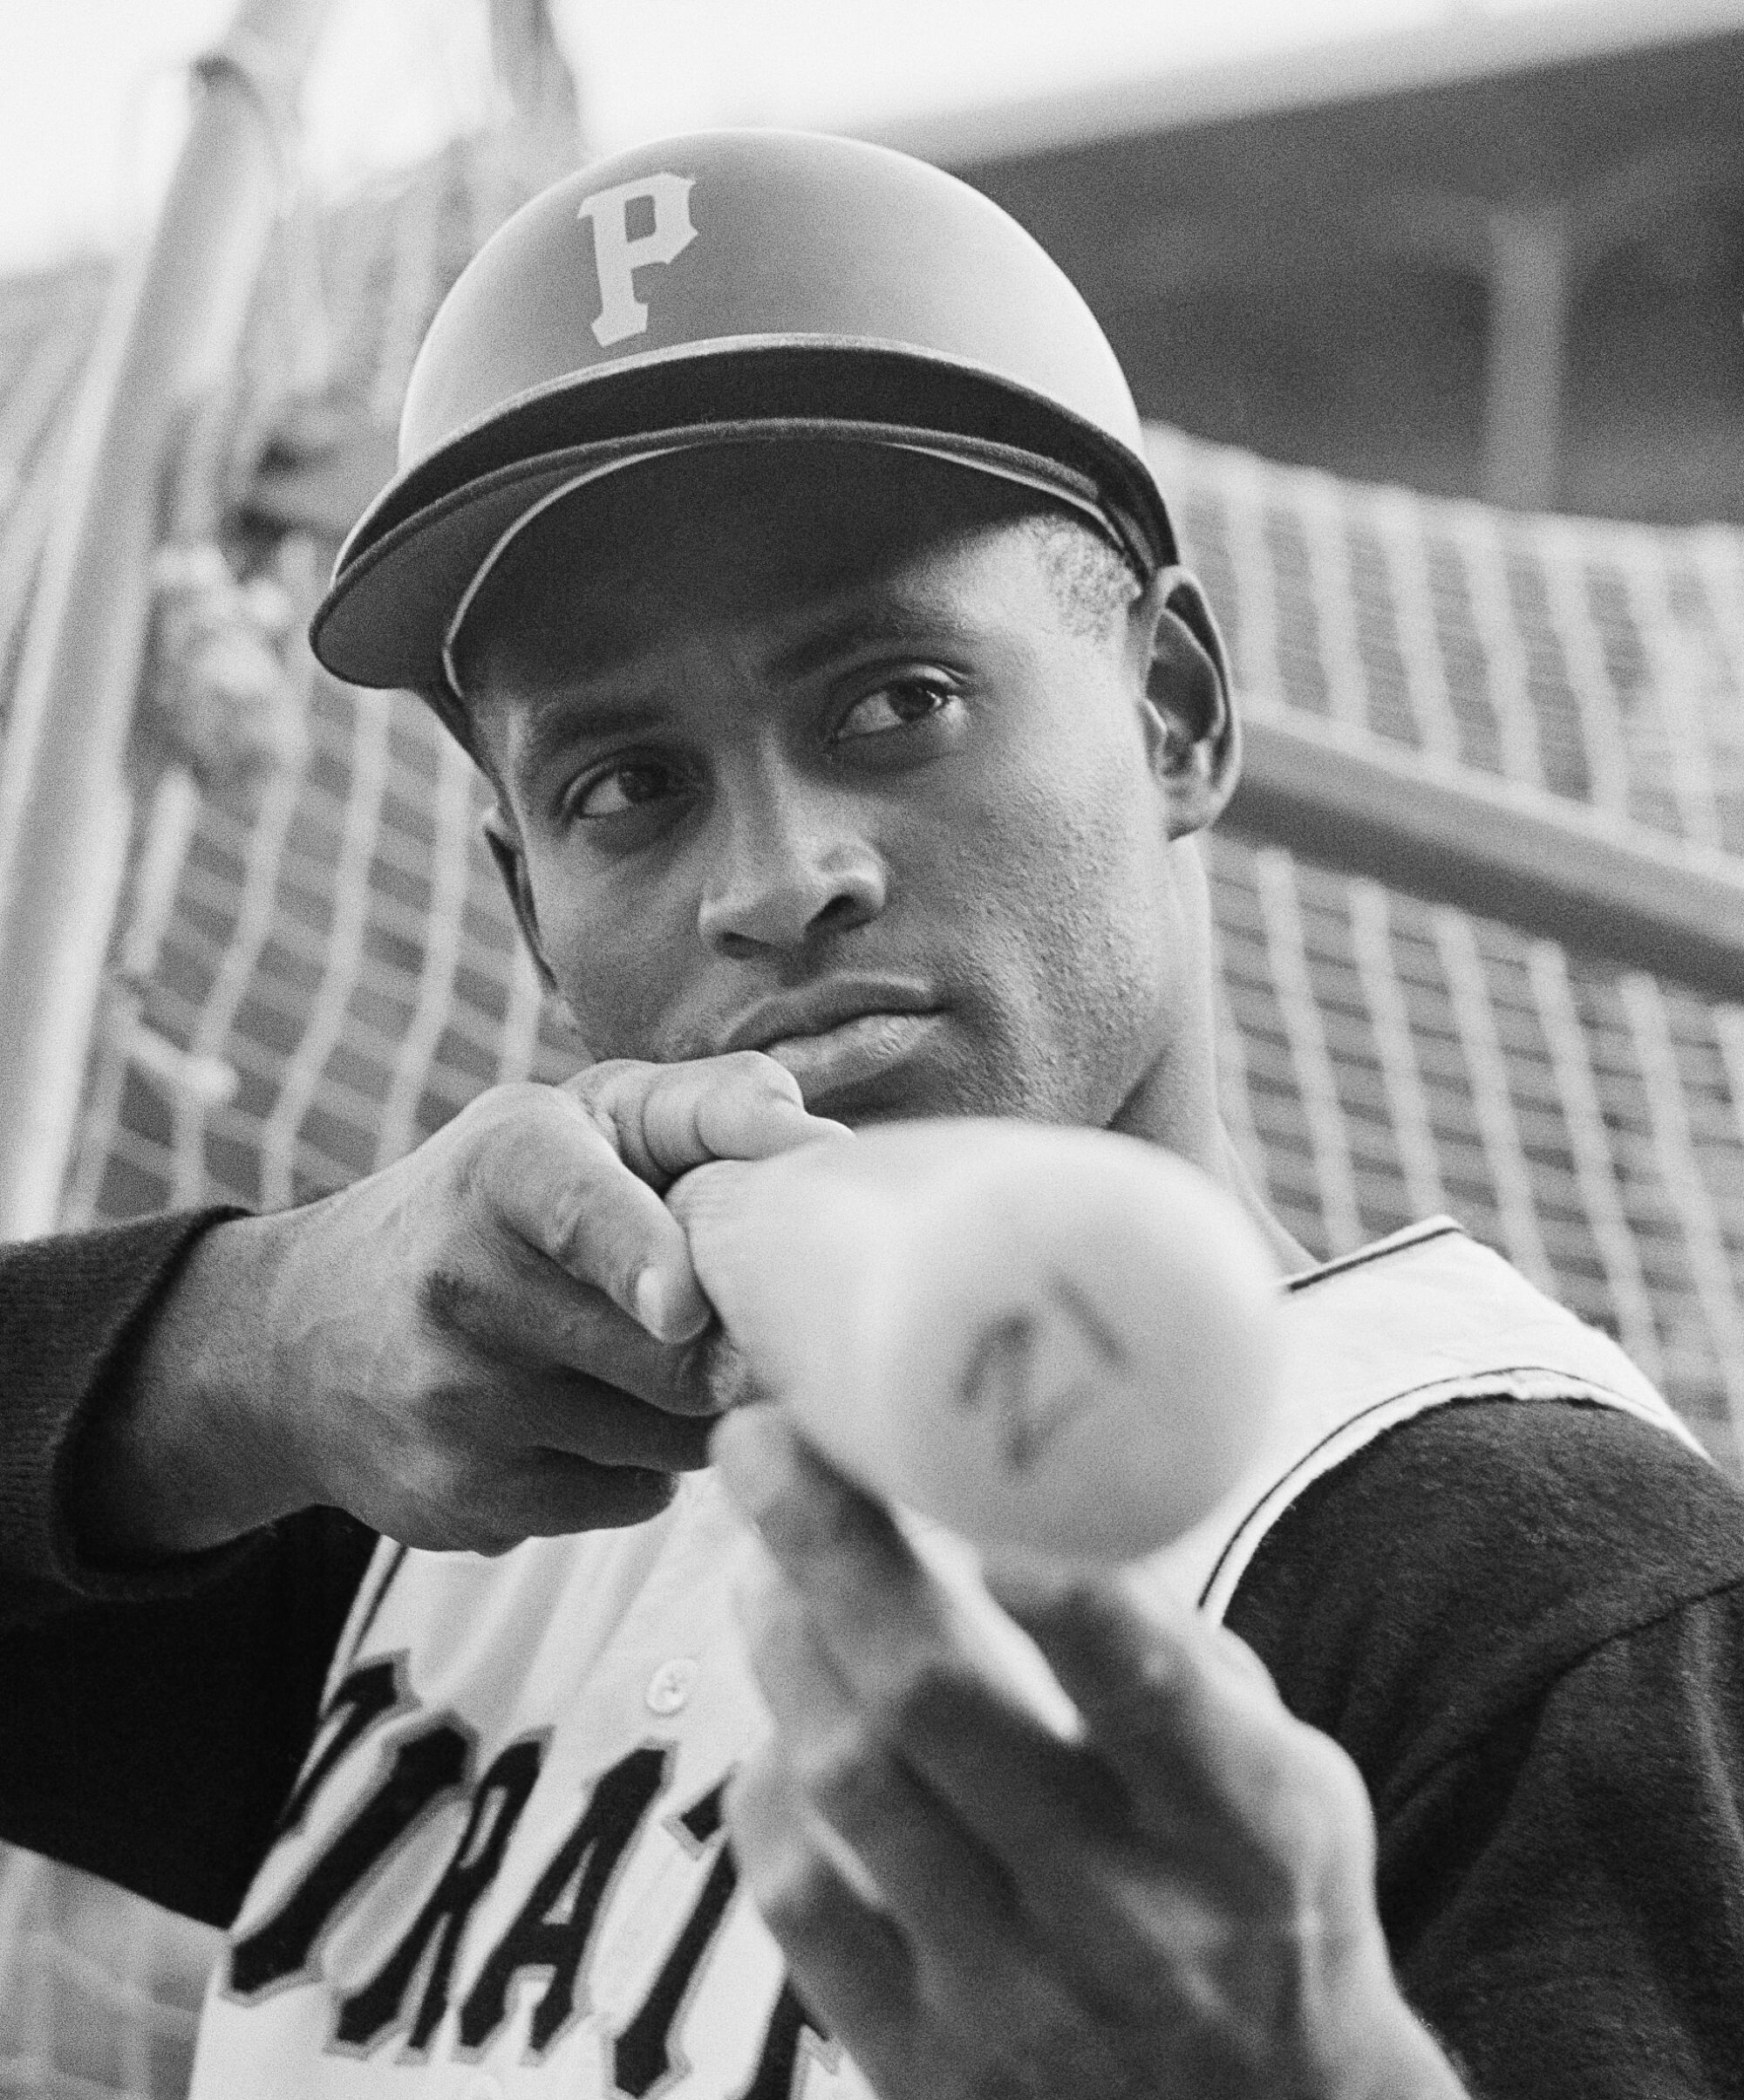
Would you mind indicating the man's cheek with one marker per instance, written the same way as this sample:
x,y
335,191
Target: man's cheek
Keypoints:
x,y
615,989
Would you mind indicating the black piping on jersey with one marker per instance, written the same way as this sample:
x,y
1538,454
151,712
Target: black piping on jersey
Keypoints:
x,y
1491,1378
1408,1236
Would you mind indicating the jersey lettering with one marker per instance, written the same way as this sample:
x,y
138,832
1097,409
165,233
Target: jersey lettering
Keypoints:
x,y
366,1696
550,1941
421,1770
432,1940
791,2028
554,1928
618,254
642,2054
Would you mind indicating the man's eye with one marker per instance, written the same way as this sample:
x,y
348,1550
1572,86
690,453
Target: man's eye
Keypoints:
x,y
624,788
897,706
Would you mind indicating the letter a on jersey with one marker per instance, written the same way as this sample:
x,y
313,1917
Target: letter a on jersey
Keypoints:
x,y
618,254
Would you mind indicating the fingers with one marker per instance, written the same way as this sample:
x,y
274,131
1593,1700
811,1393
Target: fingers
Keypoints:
x,y
563,1494
932,1672
468,1457
927,1871
541,1495
666,1119
841,1549
575,1171
1166,1698
978,1964
1183,1736
1180,1708
1181,1898
519,1312
848,1959
583,1418
968,1824
948,2005
552,1178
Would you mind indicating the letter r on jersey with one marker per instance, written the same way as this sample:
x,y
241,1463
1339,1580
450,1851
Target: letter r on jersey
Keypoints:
x,y
618,254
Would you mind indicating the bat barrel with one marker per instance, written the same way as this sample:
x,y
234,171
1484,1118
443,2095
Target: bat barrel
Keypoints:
x,y
1060,1342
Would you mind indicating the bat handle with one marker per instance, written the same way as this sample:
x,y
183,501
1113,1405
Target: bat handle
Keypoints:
x,y
1004,1653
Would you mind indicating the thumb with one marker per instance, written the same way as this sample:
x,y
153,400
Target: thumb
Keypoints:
x,y
557,1183
666,1119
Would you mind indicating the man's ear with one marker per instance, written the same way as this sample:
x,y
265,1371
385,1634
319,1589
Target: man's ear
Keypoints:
x,y
1192,734
511,865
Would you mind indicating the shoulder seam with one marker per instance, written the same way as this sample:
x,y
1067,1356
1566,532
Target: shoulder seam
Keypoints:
x,y
1415,1403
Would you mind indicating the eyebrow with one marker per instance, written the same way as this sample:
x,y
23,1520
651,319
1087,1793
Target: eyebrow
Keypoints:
x,y
558,724
855,627
566,719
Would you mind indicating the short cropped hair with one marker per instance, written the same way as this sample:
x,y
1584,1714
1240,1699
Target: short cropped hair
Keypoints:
x,y
1093,581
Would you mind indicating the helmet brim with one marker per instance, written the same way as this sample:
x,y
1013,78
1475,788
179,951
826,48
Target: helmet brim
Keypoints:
x,y
411,560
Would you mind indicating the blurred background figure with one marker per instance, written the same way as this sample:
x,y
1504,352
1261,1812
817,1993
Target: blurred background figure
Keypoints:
x,y
1437,308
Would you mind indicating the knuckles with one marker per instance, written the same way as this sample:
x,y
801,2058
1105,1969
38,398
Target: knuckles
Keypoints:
x,y
784,1871
932,1696
757,1074
443,1485
789,1887
849,1775
450,1295
516,1114
514,1102
570,1232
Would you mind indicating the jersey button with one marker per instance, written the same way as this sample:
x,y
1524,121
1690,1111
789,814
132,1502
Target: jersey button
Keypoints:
x,y
670,1685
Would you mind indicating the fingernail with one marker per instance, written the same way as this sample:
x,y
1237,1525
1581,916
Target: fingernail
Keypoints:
x,y
669,1311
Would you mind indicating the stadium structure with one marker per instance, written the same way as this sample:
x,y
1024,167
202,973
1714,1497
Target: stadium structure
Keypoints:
x,y
1480,904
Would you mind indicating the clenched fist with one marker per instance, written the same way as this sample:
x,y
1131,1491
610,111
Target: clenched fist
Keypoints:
x,y
490,1340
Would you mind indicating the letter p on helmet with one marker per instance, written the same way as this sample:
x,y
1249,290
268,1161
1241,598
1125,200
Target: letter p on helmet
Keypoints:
x,y
618,256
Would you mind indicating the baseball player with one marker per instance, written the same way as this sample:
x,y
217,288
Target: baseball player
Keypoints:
x,y
774,530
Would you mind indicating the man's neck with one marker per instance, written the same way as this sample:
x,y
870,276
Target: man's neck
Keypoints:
x,y
1233,1172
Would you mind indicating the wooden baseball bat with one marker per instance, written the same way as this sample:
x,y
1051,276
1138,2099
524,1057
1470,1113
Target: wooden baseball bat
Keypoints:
x,y
1055,1341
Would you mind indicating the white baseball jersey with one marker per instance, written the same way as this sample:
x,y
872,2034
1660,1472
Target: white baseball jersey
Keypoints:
x,y
503,1870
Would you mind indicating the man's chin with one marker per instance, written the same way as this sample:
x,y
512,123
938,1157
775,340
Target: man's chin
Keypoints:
x,y
919,1096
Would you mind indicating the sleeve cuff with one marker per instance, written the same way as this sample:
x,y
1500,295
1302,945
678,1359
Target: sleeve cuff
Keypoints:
x,y
71,1309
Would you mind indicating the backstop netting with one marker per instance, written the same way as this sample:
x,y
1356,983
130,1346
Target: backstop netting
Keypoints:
x,y
349,963
319,989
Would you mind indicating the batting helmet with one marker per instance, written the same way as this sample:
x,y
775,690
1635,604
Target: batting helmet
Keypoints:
x,y
721,287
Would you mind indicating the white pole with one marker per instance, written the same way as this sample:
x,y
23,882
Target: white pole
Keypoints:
x,y
173,331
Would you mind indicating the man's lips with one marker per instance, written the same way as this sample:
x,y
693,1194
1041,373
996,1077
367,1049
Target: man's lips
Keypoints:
x,y
831,1061
820,1009
834,1034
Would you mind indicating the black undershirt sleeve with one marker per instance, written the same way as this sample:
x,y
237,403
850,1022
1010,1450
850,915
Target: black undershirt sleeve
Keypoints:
x,y
1568,1901
154,1742
72,1308
1525,1621
152,1720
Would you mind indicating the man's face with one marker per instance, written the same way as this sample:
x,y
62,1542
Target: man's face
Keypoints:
x,y
799,750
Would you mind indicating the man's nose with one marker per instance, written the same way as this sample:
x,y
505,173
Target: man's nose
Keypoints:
x,y
792,868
